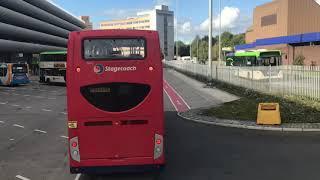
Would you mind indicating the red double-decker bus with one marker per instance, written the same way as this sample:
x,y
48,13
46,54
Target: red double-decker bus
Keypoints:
x,y
115,101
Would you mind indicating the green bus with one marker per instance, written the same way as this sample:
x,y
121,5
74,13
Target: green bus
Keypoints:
x,y
256,64
53,66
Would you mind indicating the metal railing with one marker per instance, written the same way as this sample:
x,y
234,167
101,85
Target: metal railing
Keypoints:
x,y
301,81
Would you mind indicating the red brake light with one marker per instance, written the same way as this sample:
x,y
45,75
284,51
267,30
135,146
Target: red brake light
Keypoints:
x,y
78,69
150,68
74,144
158,141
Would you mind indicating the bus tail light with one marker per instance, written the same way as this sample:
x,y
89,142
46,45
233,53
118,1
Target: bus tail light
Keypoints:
x,y
158,146
74,149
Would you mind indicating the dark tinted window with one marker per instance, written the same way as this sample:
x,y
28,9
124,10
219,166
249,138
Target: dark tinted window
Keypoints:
x,y
113,49
269,20
53,57
19,68
115,97
3,71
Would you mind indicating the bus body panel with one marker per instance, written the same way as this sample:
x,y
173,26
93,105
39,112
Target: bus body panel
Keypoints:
x,y
53,67
13,74
124,138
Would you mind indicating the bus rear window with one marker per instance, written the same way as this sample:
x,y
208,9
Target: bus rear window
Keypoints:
x,y
19,68
114,49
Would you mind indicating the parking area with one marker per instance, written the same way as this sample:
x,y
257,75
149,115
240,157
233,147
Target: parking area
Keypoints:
x,y
33,134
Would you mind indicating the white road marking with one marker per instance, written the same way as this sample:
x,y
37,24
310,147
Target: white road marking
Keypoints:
x,y
15,105
40,131
17,125
3,103
78,177
11,139
2,122
47,110
22,178
26,95
28,107
64,113
65,137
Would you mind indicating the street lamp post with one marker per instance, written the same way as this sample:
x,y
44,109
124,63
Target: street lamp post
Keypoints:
x,y
220,48
210,41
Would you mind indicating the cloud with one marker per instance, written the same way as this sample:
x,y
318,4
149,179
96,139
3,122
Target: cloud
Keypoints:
x,y
229,17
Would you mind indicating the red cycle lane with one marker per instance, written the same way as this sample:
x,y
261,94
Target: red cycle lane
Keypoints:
x,y
177,101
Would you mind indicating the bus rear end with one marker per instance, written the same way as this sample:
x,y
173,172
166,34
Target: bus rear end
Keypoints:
x,y
19,74
115,101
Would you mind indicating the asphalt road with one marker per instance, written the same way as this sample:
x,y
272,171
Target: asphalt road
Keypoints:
x,y
33,146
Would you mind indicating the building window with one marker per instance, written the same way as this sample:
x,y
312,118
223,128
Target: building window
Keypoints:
x,y
269,20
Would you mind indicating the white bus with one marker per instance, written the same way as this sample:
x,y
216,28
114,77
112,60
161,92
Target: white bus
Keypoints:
x,y
53,67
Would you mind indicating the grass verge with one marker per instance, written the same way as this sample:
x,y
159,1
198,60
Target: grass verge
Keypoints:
x,y
293,109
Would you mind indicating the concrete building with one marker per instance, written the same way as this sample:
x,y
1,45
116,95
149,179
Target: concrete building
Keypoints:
x,y
32,26
292,26
87,22
160,19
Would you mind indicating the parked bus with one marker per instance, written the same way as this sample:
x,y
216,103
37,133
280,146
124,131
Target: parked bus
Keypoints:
x,y
53,67
256,64
115,101
12,74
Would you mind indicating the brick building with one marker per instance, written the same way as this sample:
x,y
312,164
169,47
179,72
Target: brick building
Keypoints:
x,y
292,26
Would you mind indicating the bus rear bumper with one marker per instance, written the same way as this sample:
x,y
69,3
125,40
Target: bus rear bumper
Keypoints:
x,y
117,169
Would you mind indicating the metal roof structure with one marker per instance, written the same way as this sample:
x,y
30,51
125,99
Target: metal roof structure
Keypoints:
x,y
293,39
34,26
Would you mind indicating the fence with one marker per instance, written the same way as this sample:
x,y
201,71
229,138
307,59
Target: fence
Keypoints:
x,y
282,80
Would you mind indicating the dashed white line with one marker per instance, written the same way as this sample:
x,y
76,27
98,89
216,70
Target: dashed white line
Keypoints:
x,y
16,94
15,105
64,113
65,137
2,122
46,110
78,177
22,178
17,125
28,107
11,139
40,131
26,95
3,103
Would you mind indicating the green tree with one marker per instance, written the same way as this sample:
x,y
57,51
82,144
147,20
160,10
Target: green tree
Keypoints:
x,y
184,50
226,39
238,39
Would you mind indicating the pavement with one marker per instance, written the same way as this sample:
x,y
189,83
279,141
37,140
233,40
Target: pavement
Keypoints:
x,y
33,144
200,97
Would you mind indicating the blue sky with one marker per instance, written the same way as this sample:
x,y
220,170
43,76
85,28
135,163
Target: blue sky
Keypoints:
x,y
191,14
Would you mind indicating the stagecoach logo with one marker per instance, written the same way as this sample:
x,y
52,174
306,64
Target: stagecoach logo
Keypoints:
x,y
120,69
98,69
